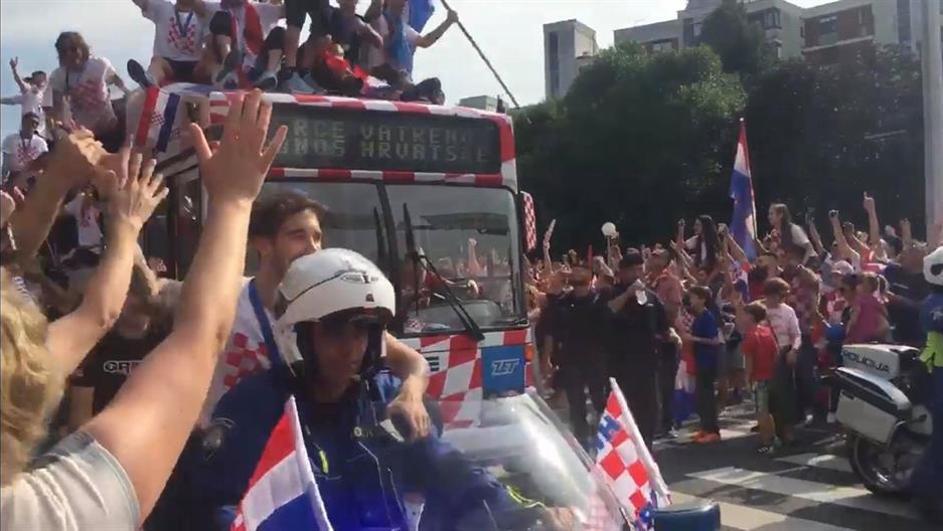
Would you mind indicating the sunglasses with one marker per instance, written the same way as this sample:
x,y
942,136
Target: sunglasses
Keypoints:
x,y
341,326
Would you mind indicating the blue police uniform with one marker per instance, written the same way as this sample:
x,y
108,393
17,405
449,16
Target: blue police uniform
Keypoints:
x,y
360,475
928,476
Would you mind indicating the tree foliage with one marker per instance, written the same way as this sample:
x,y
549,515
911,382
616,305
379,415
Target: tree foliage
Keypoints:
x,y
633,127
643,139
740,43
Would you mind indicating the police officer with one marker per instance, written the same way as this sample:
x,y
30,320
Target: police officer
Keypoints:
x,y
577,341
332,310
639,326
928,476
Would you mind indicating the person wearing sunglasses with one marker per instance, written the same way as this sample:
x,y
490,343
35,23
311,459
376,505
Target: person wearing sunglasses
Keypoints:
x,y
333,308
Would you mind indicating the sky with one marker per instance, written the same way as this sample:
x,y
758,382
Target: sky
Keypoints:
x,y
510,32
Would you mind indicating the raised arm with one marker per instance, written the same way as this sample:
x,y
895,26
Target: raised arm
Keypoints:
x,y
71,163
16,75
874,227
433,36
814,236
839,235
374,10
130,204
147,424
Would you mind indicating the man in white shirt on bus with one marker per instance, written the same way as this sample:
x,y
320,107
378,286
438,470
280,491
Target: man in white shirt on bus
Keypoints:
x,y
21,149
33,96
400,40
179,34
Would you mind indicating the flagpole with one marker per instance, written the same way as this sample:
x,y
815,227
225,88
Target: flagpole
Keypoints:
x,y
484,58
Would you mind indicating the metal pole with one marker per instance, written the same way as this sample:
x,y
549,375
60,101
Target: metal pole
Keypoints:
x,y
485,59
932,59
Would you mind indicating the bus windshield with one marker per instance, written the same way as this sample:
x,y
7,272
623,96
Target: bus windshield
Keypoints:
x,y
471,238
469,234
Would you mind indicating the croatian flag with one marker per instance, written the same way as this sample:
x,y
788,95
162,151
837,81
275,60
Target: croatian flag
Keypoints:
x,y
626,464
420,11
743,224
156,126
282,494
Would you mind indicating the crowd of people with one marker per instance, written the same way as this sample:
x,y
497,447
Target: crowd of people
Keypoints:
x,y
702,313
230,44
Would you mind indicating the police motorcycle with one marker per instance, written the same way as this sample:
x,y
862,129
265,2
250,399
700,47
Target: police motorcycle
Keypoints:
x,y
883,406
513,467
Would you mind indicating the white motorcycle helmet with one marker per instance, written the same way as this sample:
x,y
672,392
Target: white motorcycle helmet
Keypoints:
x,y
326,284
933,267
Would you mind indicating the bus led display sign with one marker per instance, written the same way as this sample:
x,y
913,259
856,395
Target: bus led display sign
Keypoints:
x,y
323,137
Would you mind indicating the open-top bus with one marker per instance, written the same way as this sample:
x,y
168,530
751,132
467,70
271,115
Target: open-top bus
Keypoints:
x,y
408,185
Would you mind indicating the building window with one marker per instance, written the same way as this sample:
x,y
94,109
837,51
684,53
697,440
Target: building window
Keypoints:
x,y
553,58
688,33
828,30
903,21
770,19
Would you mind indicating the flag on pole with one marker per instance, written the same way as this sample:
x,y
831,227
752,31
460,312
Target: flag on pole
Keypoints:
x,y
156,126
530,221
626,464
743,223
420,11
283,494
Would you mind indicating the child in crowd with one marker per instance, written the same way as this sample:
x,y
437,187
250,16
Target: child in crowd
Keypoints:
x,y
705,336
869,320
759,349
785,326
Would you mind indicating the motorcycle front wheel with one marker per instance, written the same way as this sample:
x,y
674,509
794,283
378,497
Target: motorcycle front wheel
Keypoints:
x,y
885,470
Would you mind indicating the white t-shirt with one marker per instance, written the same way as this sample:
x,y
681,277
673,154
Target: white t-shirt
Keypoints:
x,y
90,234
785,326
78,486
245,353
178,35
377,56
87,90
269,15
35,100
23,151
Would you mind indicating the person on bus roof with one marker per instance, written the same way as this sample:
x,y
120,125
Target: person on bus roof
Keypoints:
x,y
179,34
400,40
246,43
80,90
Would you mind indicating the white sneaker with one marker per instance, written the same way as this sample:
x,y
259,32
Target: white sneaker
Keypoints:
x,y
295,84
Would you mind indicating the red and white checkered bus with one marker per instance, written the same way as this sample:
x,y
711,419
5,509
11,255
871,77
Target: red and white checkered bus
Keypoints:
x,y
427,192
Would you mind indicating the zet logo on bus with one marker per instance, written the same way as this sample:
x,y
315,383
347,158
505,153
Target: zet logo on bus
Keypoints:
x,y
502,369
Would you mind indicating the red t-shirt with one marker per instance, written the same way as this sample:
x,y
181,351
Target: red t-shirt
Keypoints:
x,y
760,344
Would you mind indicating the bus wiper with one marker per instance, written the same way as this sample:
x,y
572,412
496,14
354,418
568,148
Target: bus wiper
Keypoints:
x,y
421,260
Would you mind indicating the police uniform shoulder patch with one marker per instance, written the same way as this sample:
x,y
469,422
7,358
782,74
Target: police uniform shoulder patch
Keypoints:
x,y
215,435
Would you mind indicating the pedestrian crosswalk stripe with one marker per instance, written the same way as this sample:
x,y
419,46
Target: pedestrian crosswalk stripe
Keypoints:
x,y
823,461
745,518
851,497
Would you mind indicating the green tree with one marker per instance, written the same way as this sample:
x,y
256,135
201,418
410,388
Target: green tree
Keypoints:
x,y
633,127
740,43
820,136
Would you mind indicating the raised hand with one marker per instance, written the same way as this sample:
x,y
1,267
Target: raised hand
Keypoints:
x,y
75,158
134,200
868,203
15,62
236,171
7,206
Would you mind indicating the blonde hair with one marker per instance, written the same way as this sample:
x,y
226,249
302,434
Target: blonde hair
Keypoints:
x,y
30,382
